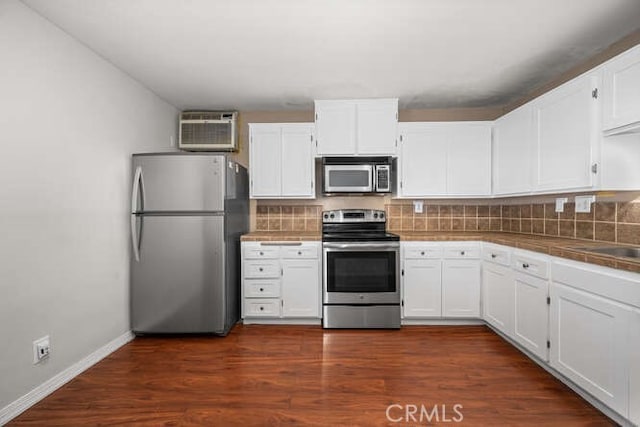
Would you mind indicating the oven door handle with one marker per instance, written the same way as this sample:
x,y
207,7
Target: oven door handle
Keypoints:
x,y
362,246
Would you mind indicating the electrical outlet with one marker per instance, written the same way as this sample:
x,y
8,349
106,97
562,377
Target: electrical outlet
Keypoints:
x,y
560,201
583,203
41,349
418,206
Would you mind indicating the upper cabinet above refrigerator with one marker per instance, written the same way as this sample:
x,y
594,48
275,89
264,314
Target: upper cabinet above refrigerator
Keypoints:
x,y
621,93
366,127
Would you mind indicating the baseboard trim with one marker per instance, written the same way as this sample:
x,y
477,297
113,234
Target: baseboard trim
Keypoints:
x,y
23,403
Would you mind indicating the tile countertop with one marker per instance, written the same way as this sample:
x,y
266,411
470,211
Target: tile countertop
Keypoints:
x,y
556,246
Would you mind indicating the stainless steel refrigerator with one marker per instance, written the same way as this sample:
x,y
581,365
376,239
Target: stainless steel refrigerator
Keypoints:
x,y
188,212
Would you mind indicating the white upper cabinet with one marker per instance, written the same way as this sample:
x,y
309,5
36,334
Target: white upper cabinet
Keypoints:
x,y
512,152
442,159
621,93
423,160
356,127
281,161
567,136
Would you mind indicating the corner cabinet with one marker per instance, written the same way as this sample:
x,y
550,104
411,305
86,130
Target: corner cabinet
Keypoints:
x,y
281,160
621,93
281,282
356,127
566,136
445,159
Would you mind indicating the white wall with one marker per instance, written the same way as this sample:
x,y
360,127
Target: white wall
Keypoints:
x,y
69,122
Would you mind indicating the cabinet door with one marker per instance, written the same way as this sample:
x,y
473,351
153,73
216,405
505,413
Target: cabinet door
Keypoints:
x,y
498,297
336,128
422,291
300,288
621,91
265,161
566,133
423,160
531,327
589,343
512,149
634,373
461,288
377,127
469,159
298,175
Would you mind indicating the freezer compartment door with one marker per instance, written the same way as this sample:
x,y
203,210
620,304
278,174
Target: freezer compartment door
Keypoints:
x,y
178,283
178,183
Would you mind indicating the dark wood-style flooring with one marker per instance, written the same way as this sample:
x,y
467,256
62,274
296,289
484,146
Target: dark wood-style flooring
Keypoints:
x,y
295,375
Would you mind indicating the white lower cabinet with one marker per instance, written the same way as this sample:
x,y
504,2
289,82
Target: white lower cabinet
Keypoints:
x,y
634,368
422,292
440,280
300,288
280,281
498,295
531,314
589,343
460,288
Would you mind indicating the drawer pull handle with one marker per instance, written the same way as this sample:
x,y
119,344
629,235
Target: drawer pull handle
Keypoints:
x,y
261,253
493,255
261,289
261,308
260,269
462,253
299,252
525,265
422,253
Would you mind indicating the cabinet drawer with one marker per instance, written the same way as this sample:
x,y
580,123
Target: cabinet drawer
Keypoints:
x,y
462,252
419,252
262,307
294,252
255,251
497,255
258,268
261,288
531,265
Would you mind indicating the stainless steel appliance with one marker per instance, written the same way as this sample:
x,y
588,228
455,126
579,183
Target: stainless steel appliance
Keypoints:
x,y
357,175
187,214
361,270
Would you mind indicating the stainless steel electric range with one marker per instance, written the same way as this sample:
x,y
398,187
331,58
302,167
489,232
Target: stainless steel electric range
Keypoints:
x,y
361,270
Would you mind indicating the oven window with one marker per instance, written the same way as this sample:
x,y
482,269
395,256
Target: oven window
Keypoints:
x,y
361,271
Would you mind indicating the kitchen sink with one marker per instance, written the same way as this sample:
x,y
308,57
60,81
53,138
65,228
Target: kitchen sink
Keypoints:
x,y
627,252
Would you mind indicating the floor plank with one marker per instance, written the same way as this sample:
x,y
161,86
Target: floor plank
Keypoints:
x,y
304,375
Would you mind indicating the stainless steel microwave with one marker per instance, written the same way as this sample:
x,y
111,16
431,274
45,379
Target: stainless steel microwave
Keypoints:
x,y
357,175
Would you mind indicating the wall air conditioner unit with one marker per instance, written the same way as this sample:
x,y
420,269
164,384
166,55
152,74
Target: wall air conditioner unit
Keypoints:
x,y
208,131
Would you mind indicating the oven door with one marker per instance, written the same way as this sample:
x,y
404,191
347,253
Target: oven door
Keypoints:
x,y
348,178
361,273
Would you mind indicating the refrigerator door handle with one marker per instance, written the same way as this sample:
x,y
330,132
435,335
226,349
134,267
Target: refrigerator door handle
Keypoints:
x,y
138,189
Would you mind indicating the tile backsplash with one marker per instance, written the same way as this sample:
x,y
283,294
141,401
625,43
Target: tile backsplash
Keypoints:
x,y
288,218
608,221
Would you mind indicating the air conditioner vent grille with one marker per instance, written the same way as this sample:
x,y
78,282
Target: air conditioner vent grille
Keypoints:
x,y
208,130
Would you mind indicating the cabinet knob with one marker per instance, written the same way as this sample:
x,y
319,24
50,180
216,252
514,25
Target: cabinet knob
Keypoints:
x,y
299,252
260,269
422,253
525,265
261,289
462,253
261,308
261,253
493,255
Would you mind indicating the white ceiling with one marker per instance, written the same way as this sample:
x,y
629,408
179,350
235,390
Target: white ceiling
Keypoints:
x,y
283,54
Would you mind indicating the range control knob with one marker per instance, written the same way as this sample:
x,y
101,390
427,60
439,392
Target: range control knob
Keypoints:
x,y
332,216
375,215
326,216
381,215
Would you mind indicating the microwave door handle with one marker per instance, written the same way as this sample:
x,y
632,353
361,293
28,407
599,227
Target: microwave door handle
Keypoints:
x,y
374,182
